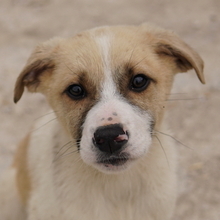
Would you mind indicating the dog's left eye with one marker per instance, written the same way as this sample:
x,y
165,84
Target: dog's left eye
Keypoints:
x,y
139,83
76,91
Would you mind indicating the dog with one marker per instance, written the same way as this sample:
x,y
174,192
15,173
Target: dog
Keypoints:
x,y
102,153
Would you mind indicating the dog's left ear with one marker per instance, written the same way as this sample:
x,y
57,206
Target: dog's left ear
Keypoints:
x,y
178,52
40,62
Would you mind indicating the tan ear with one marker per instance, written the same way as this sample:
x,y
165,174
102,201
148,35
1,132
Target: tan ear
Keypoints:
x,y
40,62
183,56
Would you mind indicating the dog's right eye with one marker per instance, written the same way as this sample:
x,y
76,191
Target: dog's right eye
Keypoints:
x,y
76,92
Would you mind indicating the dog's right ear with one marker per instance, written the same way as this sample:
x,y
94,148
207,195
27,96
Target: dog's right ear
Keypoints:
x,y
40,62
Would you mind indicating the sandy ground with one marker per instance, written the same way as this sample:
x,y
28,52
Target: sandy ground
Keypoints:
x,y
193,111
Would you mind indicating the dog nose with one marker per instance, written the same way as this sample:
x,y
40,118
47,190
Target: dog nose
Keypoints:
x,y
110,138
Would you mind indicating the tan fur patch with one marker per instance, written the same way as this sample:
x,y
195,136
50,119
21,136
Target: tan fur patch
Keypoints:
x,y
22,177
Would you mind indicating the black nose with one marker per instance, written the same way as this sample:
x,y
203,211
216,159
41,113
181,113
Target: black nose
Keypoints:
x,y
110,138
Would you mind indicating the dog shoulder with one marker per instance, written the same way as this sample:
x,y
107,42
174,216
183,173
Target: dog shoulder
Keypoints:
x,y
22,173
32,150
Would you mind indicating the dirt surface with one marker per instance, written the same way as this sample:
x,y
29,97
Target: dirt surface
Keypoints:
x,y
193,108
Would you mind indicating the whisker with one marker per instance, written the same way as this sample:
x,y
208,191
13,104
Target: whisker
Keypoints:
x,y
65,155
44,124
71,70
71,143
163,150
138,62
63,147
186,99
178,141
132,52
44,115
61,155
177,93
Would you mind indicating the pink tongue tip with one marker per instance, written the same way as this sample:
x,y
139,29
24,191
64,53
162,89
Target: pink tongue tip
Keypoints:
x,y
121,137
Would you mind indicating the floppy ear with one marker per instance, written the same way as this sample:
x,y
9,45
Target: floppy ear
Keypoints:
x,y
182,55
40,62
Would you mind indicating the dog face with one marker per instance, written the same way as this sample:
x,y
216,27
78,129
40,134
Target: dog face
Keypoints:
x,y
108,88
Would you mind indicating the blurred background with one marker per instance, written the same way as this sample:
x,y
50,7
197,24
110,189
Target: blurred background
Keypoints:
x,y
194,109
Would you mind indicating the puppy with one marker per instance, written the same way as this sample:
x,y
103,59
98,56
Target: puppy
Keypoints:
x,y
102,153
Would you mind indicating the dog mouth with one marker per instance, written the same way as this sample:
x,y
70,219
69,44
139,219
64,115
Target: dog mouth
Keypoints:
x,y
113,161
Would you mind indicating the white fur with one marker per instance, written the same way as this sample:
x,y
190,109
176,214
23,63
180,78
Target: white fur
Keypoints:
x,y
82,192
132,120
108,86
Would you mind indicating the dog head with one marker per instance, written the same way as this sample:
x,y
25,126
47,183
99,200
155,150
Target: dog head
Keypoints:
x,y
108,86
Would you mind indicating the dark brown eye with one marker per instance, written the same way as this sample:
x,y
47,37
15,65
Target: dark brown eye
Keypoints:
x,y
76,92
139,83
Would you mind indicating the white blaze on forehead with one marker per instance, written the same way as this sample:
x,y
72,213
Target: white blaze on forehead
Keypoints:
x,y
104,43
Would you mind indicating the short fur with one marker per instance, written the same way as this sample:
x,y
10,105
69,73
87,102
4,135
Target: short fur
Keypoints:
x,y
58,173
